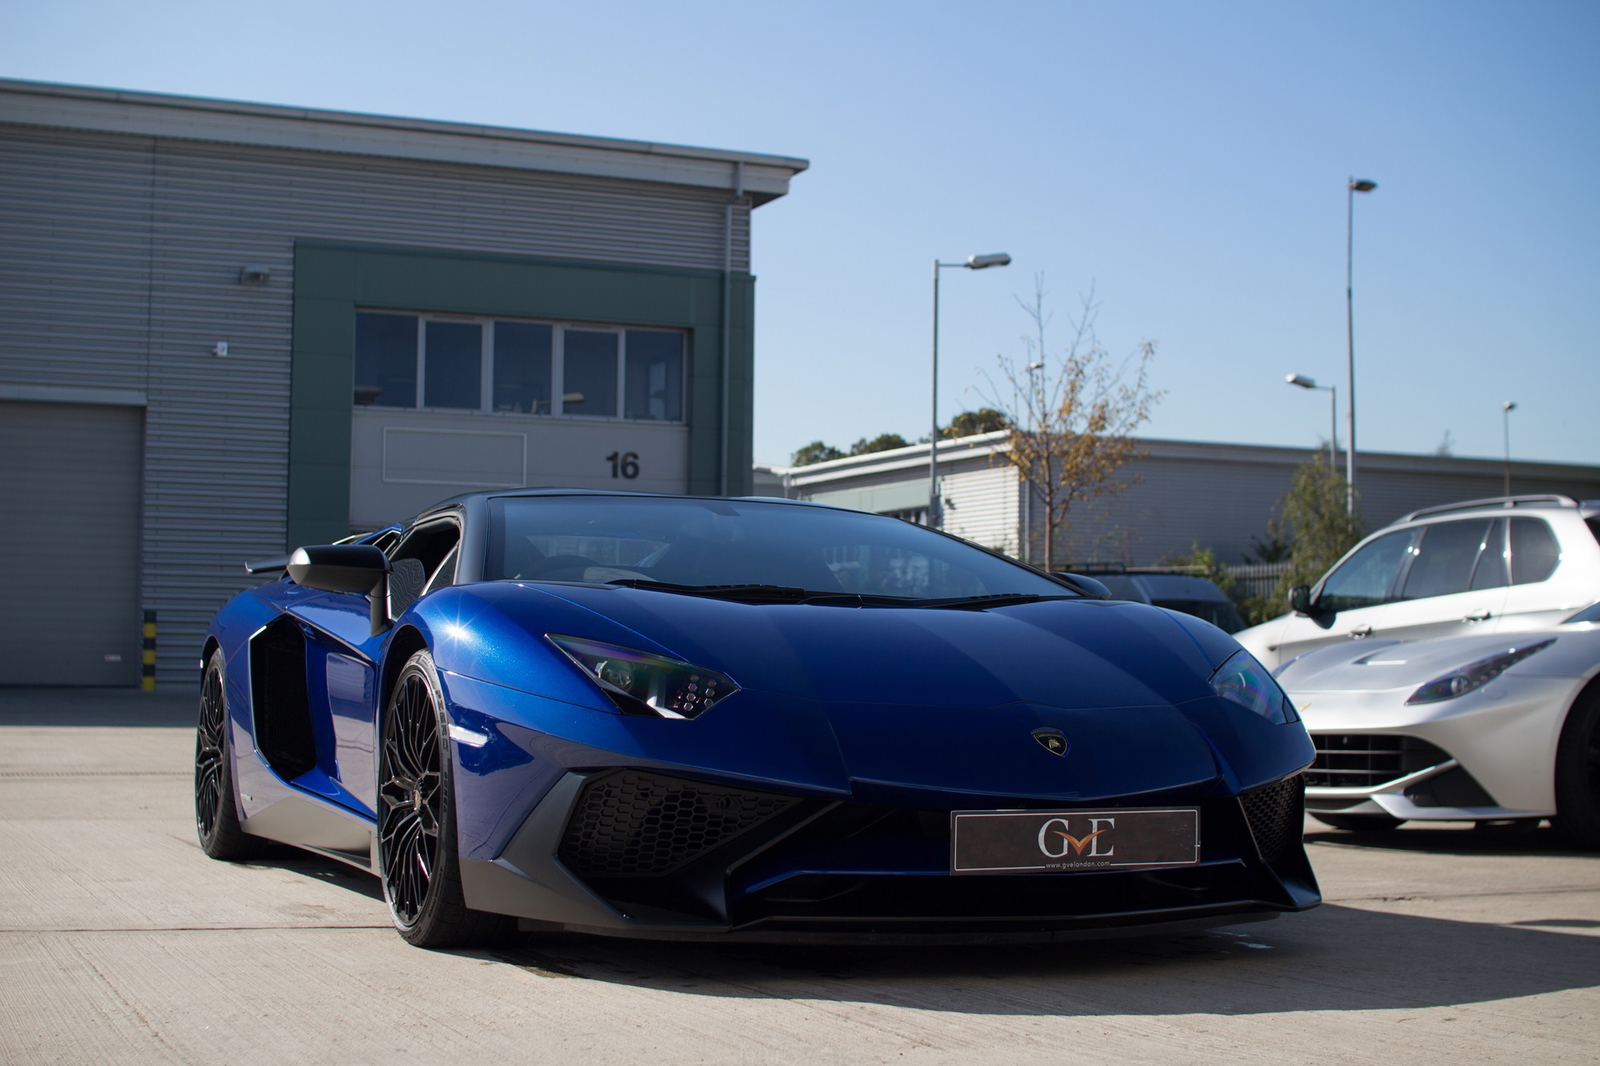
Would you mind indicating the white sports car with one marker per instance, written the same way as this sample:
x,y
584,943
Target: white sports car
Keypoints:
x,y
1489,728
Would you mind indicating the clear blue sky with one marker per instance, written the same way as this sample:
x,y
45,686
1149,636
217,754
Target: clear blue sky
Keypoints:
x,y
1187,159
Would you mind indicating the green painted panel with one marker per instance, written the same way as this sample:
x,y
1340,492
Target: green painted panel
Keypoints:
x,y
332,280
900,496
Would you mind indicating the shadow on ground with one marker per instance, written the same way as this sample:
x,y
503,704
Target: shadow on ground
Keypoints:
x,y
1335,958
317,868
1453,838
167,708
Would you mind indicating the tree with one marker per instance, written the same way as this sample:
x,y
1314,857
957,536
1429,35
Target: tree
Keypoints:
x,y
1204,562
1313,516
971,423
881,443
1071,417
816,452
1270,547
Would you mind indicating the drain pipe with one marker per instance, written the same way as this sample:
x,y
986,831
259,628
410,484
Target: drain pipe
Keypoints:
x,y
727,317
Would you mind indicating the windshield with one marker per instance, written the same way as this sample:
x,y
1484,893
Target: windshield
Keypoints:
x,y
689,542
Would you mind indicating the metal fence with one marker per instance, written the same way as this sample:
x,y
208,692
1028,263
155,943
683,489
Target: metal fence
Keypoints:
x,y
1255,580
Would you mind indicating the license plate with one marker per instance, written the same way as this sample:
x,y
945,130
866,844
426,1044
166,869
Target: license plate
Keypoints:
x,y
984,842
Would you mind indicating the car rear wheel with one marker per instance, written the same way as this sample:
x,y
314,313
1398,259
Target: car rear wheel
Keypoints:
x,y
417,856
1360,823
216,815
1578,773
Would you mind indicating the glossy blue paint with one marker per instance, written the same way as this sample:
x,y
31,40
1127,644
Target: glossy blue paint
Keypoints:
x,y
904,707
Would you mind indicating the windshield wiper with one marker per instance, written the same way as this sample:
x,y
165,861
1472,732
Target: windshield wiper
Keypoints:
x,y
794,594
738,593
993,599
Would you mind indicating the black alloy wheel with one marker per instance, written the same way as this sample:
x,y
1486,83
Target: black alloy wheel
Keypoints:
x,y
416,819
216,816
1578,772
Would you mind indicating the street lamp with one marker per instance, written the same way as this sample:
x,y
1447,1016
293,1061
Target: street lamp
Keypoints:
x,y
974,262
1354,186
1333,412
1505,419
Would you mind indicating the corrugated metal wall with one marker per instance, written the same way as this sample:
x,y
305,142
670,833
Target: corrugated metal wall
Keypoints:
x,y
1185,494
74,260
119,268
980,504
1225,500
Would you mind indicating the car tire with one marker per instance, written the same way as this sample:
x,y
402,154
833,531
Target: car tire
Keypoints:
x,y
1578,773
216,812
417,857
1360,823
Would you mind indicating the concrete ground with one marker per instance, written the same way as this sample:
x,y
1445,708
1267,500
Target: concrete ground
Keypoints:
x,y
120,941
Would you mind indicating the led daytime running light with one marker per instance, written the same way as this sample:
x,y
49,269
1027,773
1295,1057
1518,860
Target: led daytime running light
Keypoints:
x,y
639,683
1474,675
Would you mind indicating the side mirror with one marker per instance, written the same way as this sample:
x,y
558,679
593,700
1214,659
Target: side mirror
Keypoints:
x,y
1087,586
338,567
1300,600
346,568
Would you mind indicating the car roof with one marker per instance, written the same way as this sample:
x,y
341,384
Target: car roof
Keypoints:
x,y
1496,505
468,499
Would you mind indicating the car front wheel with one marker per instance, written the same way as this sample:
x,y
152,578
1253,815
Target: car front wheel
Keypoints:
x,y
1578,773
417,855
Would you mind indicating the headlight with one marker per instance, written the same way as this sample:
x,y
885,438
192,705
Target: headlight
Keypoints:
x,y
644,684
1475,675
1246,682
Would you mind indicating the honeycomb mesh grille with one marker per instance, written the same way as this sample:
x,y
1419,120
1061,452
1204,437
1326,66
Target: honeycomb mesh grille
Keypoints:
x,y
636,824
1276,816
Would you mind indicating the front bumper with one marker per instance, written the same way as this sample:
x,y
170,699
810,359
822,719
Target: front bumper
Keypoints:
x,y
1488,755
641,852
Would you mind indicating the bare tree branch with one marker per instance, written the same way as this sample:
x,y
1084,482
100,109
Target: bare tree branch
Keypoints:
x,y
1072,416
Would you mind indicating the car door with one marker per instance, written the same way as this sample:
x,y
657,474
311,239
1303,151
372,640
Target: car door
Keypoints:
x,y
343,658
1352,599
1453,584
1538,595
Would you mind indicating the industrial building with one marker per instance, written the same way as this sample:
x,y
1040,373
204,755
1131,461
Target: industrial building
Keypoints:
x,y
1184,494
229,328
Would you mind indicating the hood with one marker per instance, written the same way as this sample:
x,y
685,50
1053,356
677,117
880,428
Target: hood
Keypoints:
x,y
1376,666
897,698
1067,653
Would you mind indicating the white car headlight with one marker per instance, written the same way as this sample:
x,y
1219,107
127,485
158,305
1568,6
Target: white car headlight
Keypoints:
x,y
1475,675
637,682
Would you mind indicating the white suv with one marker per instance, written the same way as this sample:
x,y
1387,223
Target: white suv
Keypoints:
x,y
1506,564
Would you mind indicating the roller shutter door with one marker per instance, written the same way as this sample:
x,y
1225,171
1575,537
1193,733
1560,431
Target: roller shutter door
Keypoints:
x,y
70,480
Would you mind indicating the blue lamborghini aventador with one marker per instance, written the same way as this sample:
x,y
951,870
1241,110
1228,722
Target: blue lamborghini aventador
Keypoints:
x,y
688,717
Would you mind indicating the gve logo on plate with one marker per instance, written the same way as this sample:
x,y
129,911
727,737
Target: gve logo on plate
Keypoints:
x,y
1056,839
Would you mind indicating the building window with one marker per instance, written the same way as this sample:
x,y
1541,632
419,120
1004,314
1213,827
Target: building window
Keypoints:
x,y
450,363
522,353
589,369
452,360
386,360
654,375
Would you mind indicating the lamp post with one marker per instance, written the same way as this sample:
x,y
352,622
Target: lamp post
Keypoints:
x,y
1333,412
974,262
1505,419
1352,187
